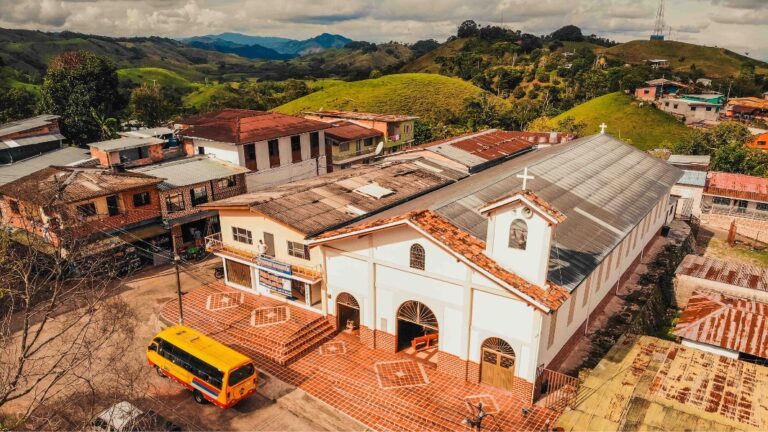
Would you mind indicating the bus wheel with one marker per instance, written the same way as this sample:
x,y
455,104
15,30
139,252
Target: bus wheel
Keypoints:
x,y
160,372
199,397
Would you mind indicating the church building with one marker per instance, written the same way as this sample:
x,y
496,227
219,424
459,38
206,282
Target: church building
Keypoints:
x,y
491,276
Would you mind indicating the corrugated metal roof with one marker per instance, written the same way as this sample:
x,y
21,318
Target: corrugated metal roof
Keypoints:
x,y
246,126
727,272
604,187
190,171
693,178
689,159
145,133
26,124
125,143
737,186
733,323
60,157
37,139
354,115
348,131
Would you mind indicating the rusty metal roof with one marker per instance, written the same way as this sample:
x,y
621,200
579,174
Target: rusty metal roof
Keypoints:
x,y
246,126
737,186
734,323
347,131
727,272
354,115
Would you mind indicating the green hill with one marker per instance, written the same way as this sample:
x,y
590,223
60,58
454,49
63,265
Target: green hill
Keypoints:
x,y
427,64
149,75
423,95
716,62
645,127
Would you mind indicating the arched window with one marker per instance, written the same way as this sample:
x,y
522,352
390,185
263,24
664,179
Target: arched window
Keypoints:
x,y
417,256
518,234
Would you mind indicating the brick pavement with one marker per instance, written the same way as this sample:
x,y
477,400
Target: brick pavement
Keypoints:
x,y
383,390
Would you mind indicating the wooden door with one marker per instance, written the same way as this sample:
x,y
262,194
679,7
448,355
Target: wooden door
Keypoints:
x,y
497,369
239,273
269,241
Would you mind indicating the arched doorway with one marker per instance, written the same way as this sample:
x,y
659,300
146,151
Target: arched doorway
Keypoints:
x,y
417,327
347,312
497,363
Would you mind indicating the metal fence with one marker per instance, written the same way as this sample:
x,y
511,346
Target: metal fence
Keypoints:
x,y
554,390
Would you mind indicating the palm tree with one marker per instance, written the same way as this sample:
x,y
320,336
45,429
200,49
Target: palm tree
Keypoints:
x,y
108,125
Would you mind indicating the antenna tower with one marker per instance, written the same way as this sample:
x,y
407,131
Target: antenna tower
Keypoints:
x,y
659,27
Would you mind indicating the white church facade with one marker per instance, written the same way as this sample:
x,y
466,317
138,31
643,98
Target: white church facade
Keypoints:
x,y
491,276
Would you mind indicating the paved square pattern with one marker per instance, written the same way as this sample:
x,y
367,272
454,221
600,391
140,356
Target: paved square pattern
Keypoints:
x,y
224,300
270,315
333,348
400,374
489,403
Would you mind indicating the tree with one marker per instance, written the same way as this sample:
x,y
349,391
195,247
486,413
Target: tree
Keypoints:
x,y
16,104
148,106
76,83
568,33
295,89
419,48
467,29
479,112
108,126
422,131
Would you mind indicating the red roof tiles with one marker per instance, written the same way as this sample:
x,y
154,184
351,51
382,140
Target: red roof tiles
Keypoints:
x,y
246,126
732,323
737,186
465,245
354,115
348,131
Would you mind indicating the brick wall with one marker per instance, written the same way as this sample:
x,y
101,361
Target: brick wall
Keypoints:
x,y
213,190
451,365
385,341
28,218
52,127
102,156
367,337
473,372
129,215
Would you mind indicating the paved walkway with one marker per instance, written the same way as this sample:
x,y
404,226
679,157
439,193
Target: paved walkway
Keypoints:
x,y
383,390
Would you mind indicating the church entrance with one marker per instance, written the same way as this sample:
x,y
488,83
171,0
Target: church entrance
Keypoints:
x,y
497,366
347,313
417,330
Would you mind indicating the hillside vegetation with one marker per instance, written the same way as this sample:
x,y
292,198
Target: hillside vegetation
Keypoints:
x,y
423,95
715,62
644,127
159,76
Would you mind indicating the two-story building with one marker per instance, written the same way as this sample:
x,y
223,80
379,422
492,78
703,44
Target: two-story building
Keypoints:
x,y
658,88
134,151
276,148
88,204
398,130
188,184
348,144
691,111
263,240
29,137
736,198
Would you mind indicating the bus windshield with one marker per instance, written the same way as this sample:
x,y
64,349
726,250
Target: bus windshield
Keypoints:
x,y
240,374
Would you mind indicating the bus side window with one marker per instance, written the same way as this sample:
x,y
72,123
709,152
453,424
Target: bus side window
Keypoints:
x,y
152,347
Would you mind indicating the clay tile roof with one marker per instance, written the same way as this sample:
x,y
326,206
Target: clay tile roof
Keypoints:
x,y
737,186
348,131
733,323
531,196
467,246
354,115
246,126
58,185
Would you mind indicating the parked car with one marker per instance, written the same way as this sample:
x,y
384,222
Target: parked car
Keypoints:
x,y
127,417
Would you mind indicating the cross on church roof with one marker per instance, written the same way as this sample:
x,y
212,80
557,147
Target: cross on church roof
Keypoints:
x,y
525,178
603,127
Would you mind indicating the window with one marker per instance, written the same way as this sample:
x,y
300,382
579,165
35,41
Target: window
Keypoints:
x,y
86,210
296,148
709,108
227,182
242,235
174,202
298,250
762,206
250,152
141,199
646,91
343,147
240,374
417,256
113,209
192,364
675,106
314,144
693,108
666,103
274,153
518,234
721,201
199,195
14,205
201,150
368,142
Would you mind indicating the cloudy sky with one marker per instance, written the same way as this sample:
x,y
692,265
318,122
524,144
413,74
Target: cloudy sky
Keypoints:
x,y
741,25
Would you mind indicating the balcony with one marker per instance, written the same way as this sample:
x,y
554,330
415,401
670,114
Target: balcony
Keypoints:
x,y
214,243
735,211
352,155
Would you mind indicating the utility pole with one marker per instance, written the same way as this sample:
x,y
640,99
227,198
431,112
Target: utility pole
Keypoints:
x,y
176,259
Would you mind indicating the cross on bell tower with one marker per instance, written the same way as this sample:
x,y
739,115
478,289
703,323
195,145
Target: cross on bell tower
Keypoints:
x,y
525,178
603,127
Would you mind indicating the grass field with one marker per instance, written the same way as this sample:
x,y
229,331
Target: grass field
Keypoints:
x,y
163,77
644,127
423,95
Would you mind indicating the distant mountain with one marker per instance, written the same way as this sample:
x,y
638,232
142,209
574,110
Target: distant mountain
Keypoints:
x,y
286,46
254,51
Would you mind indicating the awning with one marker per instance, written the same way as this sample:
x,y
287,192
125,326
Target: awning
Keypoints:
x,y
143,233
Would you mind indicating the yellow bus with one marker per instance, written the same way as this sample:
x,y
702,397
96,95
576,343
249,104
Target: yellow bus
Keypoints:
x,y
212,371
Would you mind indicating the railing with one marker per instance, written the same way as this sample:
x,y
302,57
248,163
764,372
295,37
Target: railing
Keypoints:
x,y
735,211
351,154
555,390
214,243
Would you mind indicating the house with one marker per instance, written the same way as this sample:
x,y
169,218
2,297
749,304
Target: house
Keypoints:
x,y
398,129
658,88
649,384
747,108
689,191
67,156
658,63
263,241
276,148
690,111
736,198
690,162
91,204
490,277
134,151
704,82
156,132
759,142
187,184
729,326
348,144
29,137
698,273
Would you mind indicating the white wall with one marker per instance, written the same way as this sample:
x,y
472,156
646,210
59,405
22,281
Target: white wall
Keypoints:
x,y
224,151
532,263
710,349
692,194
